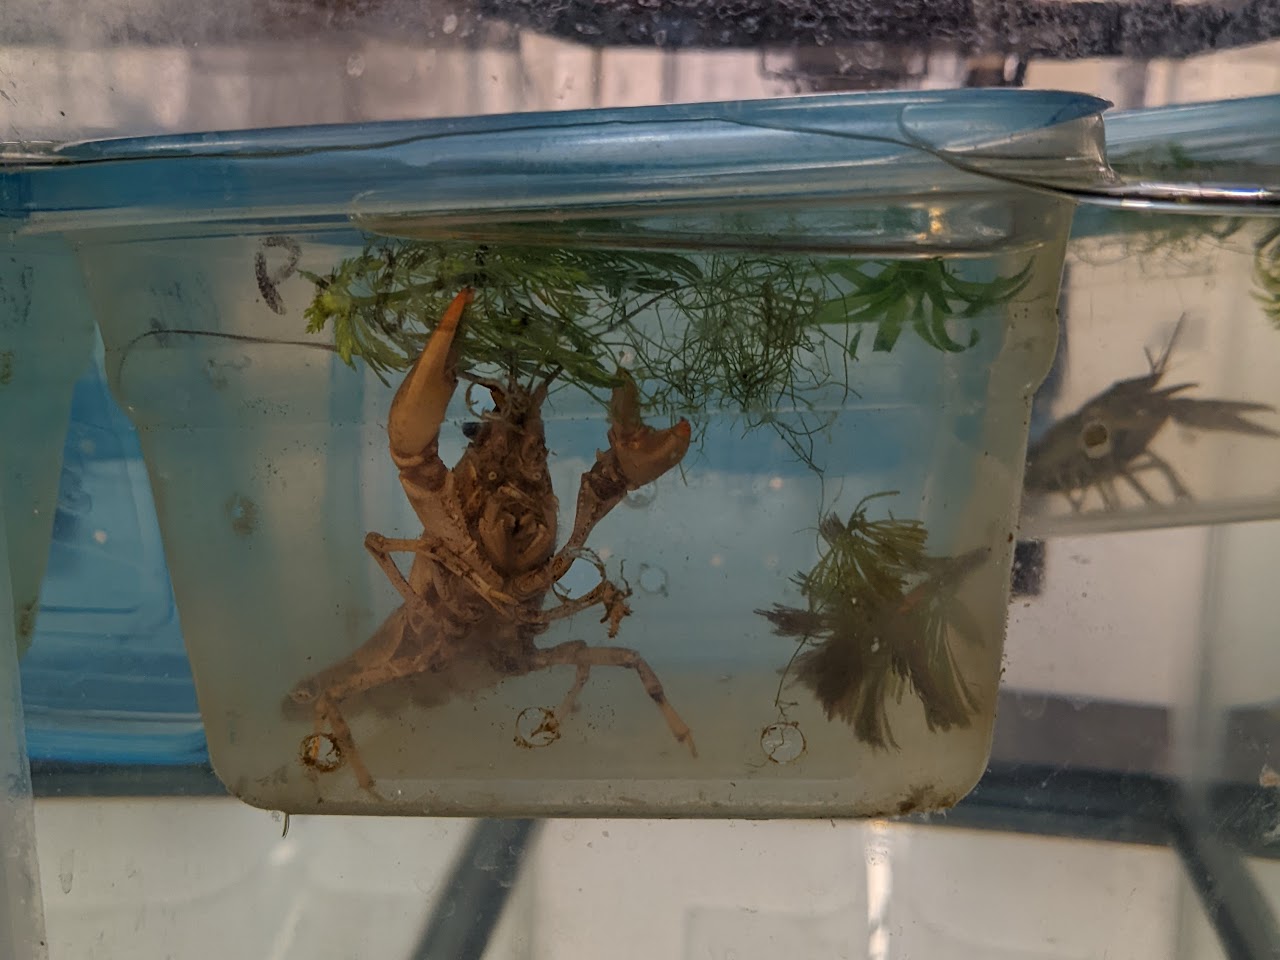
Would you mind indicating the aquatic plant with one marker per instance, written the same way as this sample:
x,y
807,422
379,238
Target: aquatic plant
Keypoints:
x,y
926,294
749,335
879,621
1266,274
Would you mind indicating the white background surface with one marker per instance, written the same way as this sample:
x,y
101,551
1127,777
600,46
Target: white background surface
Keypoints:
x,y
213,879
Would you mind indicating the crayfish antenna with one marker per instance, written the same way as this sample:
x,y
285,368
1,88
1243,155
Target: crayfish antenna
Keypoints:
x,y
1158,366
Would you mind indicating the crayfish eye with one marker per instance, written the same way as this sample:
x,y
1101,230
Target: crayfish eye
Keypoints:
x,y
1096,439
471,429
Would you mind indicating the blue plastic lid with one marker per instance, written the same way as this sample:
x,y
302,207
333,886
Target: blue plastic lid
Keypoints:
x,y
1220,157
550,165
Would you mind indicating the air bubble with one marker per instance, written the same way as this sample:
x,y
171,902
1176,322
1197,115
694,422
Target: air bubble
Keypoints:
x,y
869,56
641,497
582,576
320,751
782,742
537,727
243,514
653,579
450,23
1032,707
1095,438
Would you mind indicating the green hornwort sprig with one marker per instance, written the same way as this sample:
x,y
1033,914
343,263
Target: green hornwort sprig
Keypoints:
x,y
879,617
756,336
1179,234
924,294
1266,274
1141,234
863,558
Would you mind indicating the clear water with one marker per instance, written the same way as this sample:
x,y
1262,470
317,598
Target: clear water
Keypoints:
x,y
269,464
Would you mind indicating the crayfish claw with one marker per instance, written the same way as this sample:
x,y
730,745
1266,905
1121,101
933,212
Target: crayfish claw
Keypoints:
x,y
643,453
419,406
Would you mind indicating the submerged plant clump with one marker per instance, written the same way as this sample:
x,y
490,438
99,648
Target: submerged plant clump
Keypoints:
x,y
1142,234
751,336
1266,274
924,294
880,617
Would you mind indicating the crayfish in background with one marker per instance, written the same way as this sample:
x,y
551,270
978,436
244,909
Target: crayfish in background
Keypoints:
x,y
486,561
1109,438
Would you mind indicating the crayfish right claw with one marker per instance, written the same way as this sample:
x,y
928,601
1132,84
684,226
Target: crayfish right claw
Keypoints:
x,y
643,452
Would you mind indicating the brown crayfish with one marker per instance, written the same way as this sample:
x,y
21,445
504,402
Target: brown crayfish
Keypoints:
x,y
1109,438
487,559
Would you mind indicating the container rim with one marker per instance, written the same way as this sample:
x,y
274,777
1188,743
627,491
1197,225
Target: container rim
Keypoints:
x,y
1050,107
1210,158
873,149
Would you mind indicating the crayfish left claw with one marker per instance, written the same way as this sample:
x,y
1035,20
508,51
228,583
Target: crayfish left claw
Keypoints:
x,y
643,453
419,406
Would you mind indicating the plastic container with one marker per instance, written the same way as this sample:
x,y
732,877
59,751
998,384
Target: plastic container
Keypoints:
x,y
45,335
1177,296
21,907
815,307
106,679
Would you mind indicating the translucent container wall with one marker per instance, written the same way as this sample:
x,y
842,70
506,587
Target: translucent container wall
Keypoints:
x,y
45,335
867,392
21,909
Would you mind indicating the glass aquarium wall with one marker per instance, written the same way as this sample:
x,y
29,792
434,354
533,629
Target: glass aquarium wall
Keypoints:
x,y
1157,426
